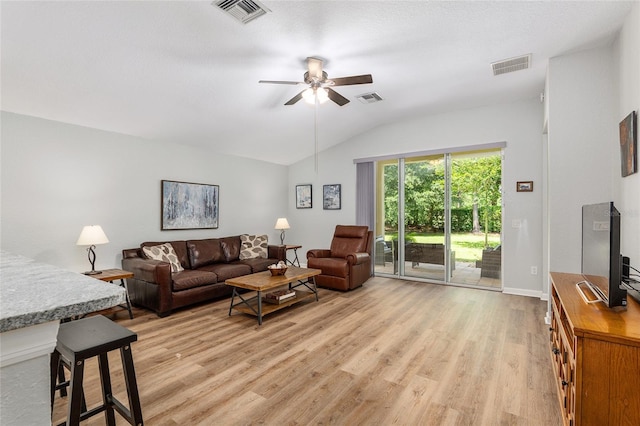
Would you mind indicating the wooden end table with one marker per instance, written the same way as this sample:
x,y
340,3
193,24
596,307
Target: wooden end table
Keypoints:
x,y
263,281
111,275
295,261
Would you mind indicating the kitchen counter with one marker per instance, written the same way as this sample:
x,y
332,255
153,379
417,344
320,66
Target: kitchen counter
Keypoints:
x,y
34,297
33,293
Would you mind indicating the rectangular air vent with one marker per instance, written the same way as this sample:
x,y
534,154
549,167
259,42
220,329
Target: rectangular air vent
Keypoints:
x,y
369,98
244,11
511,65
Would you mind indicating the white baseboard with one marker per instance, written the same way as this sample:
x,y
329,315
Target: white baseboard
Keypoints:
x,y
520,292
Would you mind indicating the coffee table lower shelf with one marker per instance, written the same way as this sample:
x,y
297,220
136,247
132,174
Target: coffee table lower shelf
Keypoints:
x,y
258,284
267,308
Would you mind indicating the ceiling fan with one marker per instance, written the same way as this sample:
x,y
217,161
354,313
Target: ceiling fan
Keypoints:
x,y
319,84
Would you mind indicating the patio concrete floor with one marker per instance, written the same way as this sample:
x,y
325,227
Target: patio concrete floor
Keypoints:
x,y
465,273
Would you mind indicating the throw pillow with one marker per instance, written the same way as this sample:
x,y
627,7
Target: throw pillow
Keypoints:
x,y
254,246
165,253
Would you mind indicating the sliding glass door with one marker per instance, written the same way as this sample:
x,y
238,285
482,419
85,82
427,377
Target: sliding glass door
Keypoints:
x,y
476,217
387,214
424,218
438,218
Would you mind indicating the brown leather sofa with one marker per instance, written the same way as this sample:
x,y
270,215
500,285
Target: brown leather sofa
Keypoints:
x,y
207,264
347,264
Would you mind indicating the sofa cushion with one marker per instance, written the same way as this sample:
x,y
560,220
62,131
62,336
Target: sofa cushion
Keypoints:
x,y
230,248
204,252
190,279
179,246
165,253
258,264
224,271
253,246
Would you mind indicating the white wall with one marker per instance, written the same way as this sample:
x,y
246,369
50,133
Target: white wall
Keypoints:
x,y
519,124
626,191
58,177
590,92
583,147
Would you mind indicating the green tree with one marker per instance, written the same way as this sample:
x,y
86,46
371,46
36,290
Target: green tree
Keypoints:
x,y
391,196
475,185
424,195
477,182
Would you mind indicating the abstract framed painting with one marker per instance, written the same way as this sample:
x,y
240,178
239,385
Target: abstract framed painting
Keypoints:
x,y
331,197
303,196
189,205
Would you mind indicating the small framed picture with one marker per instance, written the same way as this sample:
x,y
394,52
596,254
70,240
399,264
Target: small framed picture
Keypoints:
x,y
331,197
524,186
303,196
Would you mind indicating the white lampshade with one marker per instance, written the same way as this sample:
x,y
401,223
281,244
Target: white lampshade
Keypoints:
x,y
282,223
92,235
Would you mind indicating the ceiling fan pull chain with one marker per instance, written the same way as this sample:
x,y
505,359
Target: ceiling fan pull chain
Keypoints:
x,y
315,131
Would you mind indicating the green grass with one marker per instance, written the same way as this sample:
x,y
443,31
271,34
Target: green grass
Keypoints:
x,y
468,246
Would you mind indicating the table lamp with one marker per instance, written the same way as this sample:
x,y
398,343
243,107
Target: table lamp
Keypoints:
x,y
92,235
282,224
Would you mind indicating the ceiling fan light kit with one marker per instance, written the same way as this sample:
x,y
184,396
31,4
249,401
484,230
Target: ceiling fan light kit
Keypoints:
x,y
316,78
310,95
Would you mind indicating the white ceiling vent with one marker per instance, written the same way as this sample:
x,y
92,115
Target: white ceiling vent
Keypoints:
x,y
369,98
511,65
244,11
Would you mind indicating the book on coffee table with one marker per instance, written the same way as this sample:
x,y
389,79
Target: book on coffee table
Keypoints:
x,y
279,296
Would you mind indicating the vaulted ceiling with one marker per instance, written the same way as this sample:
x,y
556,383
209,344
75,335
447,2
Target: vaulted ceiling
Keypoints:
x,y
187,72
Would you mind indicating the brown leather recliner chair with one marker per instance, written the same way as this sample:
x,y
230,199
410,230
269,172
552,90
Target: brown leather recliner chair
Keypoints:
x,y
347,265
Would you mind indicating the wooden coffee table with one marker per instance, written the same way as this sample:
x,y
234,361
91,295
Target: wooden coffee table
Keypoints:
x,y
260,282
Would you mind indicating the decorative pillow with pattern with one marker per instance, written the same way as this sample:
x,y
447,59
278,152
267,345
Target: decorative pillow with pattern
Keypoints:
x,y
254,246
165,253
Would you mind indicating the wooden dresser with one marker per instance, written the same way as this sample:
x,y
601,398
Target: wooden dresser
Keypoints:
x,y
595,353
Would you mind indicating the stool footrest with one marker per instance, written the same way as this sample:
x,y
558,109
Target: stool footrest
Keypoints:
x,y
124,411
92,412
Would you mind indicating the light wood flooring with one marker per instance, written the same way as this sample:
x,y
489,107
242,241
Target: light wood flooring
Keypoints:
x,y
392,352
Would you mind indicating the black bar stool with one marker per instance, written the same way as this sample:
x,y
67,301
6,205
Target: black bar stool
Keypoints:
x,y
83,339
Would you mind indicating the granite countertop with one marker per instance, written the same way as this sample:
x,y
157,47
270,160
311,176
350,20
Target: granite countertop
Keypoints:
x,y
33,293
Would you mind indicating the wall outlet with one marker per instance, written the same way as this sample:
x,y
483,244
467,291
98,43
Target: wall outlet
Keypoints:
x,y
516,223
534,270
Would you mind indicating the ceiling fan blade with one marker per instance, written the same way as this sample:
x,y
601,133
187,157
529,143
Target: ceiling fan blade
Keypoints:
x,y
315,67
356,79
295,99
293,83
336,97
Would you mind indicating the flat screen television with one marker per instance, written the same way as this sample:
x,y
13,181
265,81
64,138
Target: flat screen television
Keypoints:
x,y
601,258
